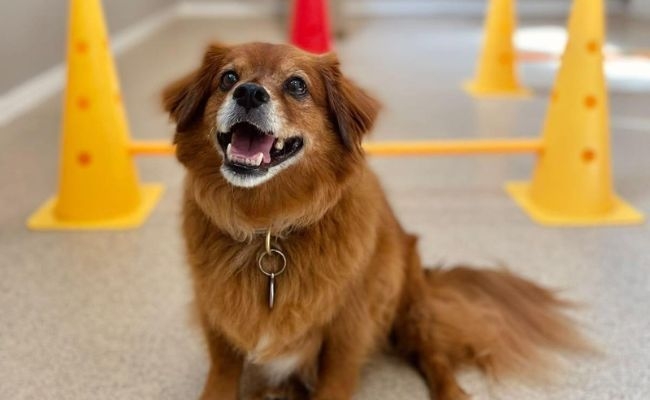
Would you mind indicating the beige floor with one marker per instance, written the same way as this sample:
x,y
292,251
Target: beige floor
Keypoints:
x,y
105,315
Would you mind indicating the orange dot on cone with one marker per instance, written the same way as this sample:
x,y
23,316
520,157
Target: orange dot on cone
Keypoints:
x,y
555,95
591,102
84,158
83,103
505,58
588,155
81,46
593,46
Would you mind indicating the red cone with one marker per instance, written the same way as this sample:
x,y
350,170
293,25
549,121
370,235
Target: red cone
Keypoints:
x,y
310,28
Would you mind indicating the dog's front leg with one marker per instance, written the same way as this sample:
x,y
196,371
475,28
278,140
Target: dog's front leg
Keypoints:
x,y
225,370
345,350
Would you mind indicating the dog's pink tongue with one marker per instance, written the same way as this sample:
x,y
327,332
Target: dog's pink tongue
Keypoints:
x,y
250,145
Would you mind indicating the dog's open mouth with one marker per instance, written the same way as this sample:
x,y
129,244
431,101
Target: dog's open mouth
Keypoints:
x,y
249,150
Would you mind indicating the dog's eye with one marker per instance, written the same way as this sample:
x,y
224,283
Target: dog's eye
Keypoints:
x,y
296,86
228,79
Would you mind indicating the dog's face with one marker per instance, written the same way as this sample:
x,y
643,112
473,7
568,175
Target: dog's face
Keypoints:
x,y
264,108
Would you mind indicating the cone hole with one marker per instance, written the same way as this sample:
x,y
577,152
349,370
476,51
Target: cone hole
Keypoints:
x,y
81,46
505,58
588,155
83,102
84,158
555,95
591,102
593,46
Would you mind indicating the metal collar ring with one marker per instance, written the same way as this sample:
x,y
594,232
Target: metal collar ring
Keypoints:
x,y
272,251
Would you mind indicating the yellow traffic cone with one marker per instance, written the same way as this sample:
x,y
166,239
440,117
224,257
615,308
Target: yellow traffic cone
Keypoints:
x,y
496,74
572,182
98,182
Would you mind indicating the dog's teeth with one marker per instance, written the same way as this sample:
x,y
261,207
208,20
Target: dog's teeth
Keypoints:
x,y
279,144
257,160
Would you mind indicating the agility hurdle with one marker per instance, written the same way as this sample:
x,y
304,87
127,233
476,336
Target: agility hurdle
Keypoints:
x,y
572,183
393,148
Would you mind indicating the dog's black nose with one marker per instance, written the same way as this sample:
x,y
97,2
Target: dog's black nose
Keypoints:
x,y
250,95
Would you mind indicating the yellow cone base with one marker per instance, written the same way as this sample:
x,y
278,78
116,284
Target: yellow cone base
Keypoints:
x,y
621,214
476,90
45,219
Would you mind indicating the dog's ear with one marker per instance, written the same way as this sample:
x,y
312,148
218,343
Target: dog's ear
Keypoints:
x,y
185,99
352,111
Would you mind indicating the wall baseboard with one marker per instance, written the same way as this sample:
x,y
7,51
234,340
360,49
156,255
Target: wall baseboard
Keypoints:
x,y
33,92
30,94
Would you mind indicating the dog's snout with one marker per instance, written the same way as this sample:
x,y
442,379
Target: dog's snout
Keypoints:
x,y
251,95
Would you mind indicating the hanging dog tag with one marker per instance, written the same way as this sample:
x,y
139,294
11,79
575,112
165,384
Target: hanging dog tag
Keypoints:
x,y
272,275
271,290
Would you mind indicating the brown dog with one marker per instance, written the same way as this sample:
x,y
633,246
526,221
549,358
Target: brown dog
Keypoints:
x,y
271,139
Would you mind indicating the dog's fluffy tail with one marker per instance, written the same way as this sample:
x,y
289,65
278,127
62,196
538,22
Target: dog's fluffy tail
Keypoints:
x,y
492,319
497,321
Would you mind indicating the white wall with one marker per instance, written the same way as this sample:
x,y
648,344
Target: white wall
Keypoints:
x,y
33,33
640,8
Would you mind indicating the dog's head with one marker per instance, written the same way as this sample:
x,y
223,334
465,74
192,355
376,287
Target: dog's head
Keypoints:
x,y
263,110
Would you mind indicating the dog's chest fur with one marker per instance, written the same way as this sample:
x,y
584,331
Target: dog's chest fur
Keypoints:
x,y
333,268
233,292
277,359
278,340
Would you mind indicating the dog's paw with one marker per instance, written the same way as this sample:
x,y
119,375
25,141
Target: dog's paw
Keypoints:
x,y
278,394
274,397
292,390
451,392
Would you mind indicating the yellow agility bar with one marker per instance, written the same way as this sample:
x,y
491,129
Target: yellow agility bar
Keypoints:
x,y
453,147
394,148
151,148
